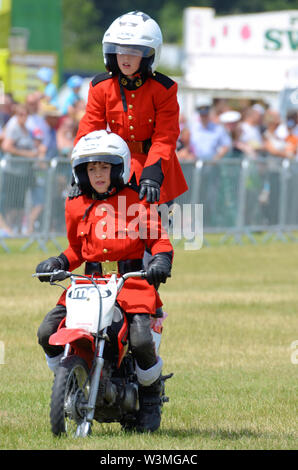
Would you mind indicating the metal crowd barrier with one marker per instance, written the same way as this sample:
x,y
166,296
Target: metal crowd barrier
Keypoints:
x,y
240,197
32,199
243,196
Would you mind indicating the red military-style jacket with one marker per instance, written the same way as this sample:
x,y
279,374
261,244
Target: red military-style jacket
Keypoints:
x,y
116,229
146,109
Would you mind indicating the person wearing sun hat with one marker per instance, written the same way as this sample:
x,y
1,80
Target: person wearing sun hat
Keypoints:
x,y
52,116
50,92
74,84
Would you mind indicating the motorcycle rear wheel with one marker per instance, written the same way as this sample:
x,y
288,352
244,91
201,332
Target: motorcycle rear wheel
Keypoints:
x,y
70,393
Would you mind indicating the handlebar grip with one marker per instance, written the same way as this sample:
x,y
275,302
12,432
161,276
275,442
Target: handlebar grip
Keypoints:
x,y
58,275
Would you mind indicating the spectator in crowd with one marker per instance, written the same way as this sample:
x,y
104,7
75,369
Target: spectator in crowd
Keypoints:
x,y
74,84
6,109
78,112
292,136
251,134
261,110
50,93
229,174
35,119
231,121
66,133
273,143
56,127
6,112
52,117
37,127
37,188
41,124
48,136
184,150
210,141
17,142
53,137
219,107
277,148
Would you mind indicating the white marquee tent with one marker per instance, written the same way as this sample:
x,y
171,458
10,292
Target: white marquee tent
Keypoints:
x,y
241,56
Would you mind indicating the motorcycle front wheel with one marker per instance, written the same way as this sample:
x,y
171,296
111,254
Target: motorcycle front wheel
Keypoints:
x,y
70,395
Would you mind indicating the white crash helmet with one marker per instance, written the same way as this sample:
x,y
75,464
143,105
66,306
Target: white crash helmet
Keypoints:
x,y
101,146
133,29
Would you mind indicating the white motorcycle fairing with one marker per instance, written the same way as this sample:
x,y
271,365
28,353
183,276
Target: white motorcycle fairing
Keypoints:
x,y
91,308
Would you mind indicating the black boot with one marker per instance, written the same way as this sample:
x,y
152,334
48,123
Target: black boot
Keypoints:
x,y
149,415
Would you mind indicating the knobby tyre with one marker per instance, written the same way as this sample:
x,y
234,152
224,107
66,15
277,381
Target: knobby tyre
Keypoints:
x,y
70,391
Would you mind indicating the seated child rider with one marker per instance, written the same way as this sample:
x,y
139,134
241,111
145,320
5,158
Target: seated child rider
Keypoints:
x,y
96,233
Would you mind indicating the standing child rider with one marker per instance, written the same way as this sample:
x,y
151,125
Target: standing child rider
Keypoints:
x,y
98,232
140,105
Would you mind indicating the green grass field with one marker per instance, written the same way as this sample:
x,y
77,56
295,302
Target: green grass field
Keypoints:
x,y
232,319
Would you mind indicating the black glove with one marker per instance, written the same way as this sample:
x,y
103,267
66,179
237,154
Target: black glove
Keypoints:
x,y
159,268
55,263
151,189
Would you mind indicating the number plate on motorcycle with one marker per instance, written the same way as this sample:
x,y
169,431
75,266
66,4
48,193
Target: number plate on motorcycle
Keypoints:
x,y
86,309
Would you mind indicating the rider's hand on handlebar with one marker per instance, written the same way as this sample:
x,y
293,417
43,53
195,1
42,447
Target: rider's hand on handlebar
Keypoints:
x,y
159,268
55,263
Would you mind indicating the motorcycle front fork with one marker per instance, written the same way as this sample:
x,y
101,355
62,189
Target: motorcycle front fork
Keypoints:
x,y
85,427
99,362
66,350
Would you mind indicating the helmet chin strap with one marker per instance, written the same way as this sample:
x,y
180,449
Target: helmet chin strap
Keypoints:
x,y
76,179
100,196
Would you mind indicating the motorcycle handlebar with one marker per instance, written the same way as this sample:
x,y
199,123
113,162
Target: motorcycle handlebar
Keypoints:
x,y
60,275
126,276
63,274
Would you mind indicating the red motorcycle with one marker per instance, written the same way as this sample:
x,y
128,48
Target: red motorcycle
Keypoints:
x,y
96,378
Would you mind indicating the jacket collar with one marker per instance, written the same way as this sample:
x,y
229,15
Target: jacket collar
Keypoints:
x,y
137,81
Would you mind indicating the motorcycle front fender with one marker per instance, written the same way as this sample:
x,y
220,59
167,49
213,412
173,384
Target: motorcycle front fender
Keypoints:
x,y
70,336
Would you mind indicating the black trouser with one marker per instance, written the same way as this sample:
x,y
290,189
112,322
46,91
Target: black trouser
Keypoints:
x,y
48,327
141,340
